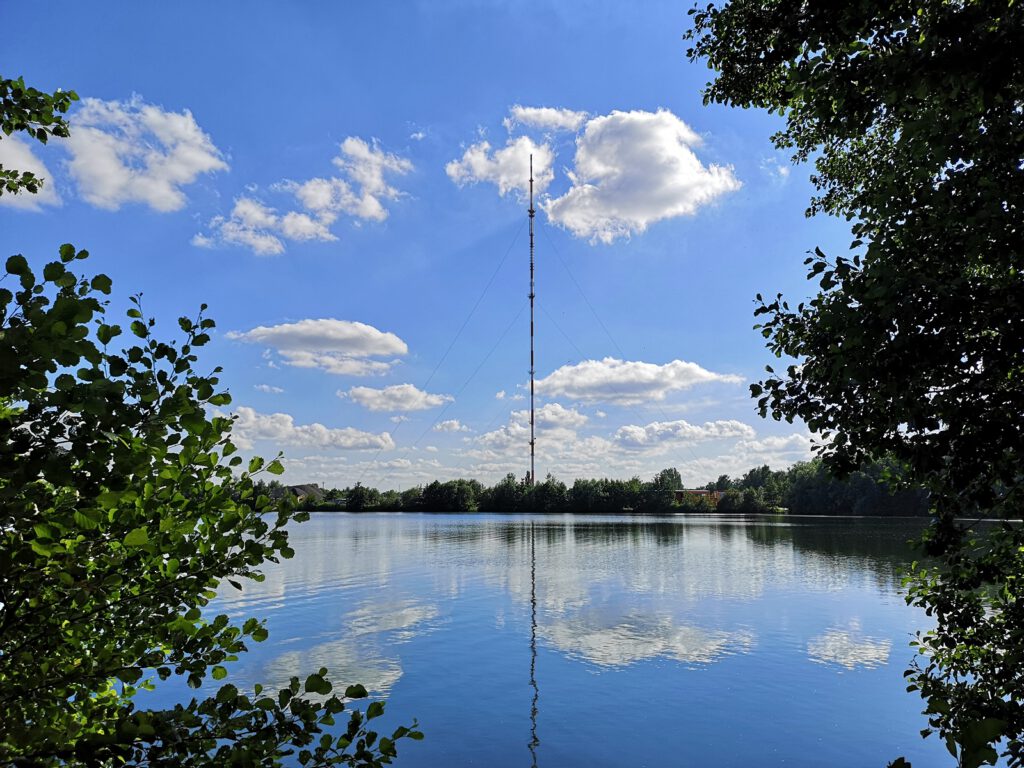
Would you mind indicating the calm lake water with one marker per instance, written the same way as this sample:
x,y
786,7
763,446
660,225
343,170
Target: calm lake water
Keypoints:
x,y
605,641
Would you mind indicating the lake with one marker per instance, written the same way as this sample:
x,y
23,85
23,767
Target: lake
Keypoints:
x,y
600,641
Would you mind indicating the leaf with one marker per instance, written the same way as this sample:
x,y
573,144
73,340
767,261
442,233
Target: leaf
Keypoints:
x,y
17,265
138,537
315,683
101,283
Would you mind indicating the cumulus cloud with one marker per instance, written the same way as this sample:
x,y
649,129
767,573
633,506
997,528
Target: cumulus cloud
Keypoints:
x,y
557,423
551,416
16,154
795,443
360,192
399,397
626,382
133,152
341,347
281,429
545,118
365,165
507,168
268,388
632,169
450,425
658,432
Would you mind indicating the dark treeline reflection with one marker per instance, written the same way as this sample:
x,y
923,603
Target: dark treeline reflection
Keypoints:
x,y
804,489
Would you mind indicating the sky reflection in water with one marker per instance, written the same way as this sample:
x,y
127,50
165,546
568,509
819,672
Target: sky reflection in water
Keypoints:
x,y
668,641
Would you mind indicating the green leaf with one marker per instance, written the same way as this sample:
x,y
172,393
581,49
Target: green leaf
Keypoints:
x,y
275,467
136,538
17,265
317,684
101,283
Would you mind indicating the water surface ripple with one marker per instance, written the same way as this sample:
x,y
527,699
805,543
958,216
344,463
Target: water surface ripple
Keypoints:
x,y
601,641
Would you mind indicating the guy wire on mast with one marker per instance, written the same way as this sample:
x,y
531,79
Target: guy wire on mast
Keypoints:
x,y
533,471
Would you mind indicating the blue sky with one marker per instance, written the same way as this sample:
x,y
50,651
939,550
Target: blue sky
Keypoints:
x,y
343,184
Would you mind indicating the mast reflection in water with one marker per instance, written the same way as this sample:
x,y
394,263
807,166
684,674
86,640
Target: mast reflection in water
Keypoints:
x,y
661,641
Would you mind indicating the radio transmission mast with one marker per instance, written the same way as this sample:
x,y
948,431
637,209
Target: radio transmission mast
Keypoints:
x,y
533,440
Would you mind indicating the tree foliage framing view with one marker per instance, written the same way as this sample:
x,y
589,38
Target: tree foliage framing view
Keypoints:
x,y
122,507
913,115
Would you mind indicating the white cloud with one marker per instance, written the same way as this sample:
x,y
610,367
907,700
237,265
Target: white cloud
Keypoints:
x,y
360,192
545,118
399,397
281,429
418,135
366,165
16,154
450,425
551,416
499,395
658,432
268,388
626,382
777,170
555,422
507,168
133,152
632,169
300,226
337,346
795,443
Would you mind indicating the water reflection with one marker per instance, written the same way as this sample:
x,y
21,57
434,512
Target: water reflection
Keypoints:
x,y
477,602
611,592
849,649
639,637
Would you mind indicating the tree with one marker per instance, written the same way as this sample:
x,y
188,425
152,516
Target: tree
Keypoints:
x,y
121,513
550,496
38,114
914,346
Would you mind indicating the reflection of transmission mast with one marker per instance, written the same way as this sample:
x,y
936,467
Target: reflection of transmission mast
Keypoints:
x,y
534,741
533,471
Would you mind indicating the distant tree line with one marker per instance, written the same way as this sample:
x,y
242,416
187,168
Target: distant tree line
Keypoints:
x,y
805,488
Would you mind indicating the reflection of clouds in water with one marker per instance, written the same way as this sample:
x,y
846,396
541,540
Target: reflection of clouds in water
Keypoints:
x,y
347,661
701,564
849,649
638,638
356,656
404,618
613,593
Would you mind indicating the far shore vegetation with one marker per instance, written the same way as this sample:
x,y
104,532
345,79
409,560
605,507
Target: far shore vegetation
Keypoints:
x,y
806,488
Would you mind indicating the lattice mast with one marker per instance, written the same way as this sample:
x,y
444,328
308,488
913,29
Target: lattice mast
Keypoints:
x,y
533,440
